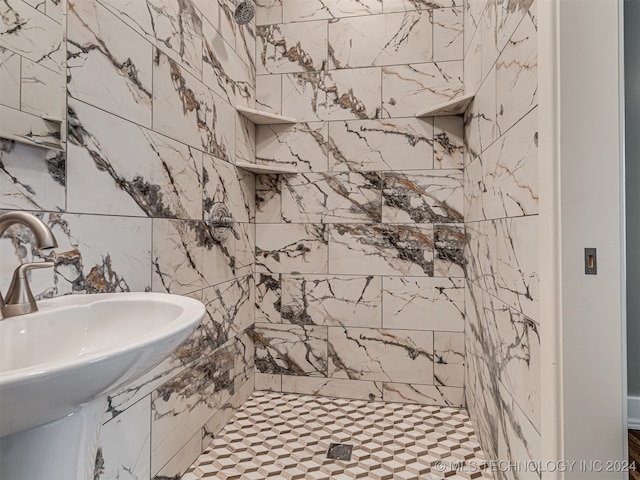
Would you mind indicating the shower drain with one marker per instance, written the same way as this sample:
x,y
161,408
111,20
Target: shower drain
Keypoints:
x,y
340,451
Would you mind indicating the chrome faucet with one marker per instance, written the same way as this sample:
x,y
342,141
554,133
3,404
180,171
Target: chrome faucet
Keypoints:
x,y
19,297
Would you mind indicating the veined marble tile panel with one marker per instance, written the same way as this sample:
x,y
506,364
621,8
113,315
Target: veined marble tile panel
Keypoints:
x,y
291,349
246,42
268,298
222,183
245,249
125,444
227,25
472,14
87,260
270,382
229,311
10,77
269,93
407,89
245,139
28,125
510,171
183,405
448,43
480,118
268,12
414,303
448,142
244,349
423,394
480,254
416,196
376,40
337,95
291,248
448,368
182,460
408,5
116,167
332,300
517,75
449,260
207,122
296,11
349,197
370,145
223,70
268,199
474,191
106,68
292,47
32,35
303,145
516,258
381,355
31,178
333,387
41,90
488,36
505,18
381,249
174,27
473,74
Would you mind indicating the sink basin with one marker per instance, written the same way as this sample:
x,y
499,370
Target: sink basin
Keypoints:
x,y
78,349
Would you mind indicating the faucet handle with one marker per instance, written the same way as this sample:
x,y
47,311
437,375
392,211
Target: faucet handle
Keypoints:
x,y
21,271
19,298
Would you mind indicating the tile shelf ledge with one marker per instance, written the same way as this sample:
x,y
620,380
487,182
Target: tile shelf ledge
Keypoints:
x,y
457,106
34,143
263,118
265,169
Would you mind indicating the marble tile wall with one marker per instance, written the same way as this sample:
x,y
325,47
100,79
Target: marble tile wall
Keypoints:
x,y
151,91
502,337
359,257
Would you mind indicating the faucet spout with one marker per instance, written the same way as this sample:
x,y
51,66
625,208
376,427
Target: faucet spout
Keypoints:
x,y
19,297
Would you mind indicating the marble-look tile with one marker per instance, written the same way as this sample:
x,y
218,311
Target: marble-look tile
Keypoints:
x,y
227,25
510,171
480,118
407,89
222,183
389,39
474,191
370,145
416,196
31,127
268,298
244,349
488,35
33,35
268,198
269,382
448,43
291,349
288,248
10,77
506,18
292,47
449,258
517,75
349,197
174,27
246,43
303,145
331,387
381,355
332,300
516,258
148,174
269,93
182,460
414,303
448,142
182,406
207,122
125,444
41,90
473,74
245,249
472,16
245,140
448,367
105,68
223,70
337,95
268,12
408,5
480,254
381,249
423,394
95,254
296,11
31,178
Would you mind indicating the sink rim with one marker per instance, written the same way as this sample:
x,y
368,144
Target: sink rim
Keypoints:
x,y
192,313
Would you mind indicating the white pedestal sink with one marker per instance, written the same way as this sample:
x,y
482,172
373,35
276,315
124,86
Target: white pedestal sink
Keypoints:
x,y
58,365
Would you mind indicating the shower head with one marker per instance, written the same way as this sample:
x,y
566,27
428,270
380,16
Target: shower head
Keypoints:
x,y
245,10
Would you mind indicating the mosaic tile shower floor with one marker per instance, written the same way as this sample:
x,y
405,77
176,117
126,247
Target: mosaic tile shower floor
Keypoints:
x,y
286,436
